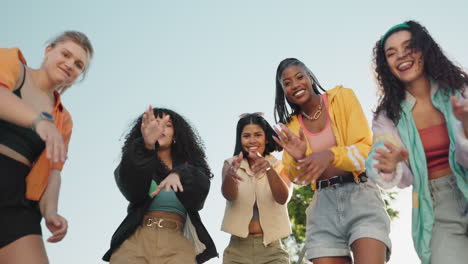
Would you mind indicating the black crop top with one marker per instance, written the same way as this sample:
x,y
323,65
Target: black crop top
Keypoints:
x,y
22,140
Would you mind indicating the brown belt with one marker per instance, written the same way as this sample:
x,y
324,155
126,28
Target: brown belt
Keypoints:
x,y
157,222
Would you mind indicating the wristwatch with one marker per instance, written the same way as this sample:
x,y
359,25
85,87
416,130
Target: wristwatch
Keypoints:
x,y
42,116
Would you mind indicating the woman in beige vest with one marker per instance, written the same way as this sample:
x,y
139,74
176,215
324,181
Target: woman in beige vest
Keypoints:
x,y
257,192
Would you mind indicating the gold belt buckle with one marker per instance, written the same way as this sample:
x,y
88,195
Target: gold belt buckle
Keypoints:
x,y
160,220
150,221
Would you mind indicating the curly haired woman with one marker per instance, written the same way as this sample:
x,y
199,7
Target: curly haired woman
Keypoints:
x,y
165,177
420,138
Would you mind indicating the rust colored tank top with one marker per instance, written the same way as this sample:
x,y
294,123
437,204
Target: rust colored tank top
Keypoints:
x,y
436,143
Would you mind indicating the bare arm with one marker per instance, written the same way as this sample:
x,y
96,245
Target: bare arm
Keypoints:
x,y
49,200
14,110
229,188
230,185
279,185
48,205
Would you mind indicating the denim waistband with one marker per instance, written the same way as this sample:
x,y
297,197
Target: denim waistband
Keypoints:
x,y
443,183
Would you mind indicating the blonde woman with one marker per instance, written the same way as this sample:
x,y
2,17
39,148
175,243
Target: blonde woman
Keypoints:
x,y
35,130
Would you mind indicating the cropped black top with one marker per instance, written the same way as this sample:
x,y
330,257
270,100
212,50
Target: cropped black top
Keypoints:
x,y
22,140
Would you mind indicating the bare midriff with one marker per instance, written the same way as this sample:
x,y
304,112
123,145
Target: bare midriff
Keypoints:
x,y
4,150
255,229
332,172
440,173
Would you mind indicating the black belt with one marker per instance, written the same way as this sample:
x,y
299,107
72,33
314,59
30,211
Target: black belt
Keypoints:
x,y
349,178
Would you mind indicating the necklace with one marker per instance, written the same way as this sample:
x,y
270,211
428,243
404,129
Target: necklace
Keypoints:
x,y
317,113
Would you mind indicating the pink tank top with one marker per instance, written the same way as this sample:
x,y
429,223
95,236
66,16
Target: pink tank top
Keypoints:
x,y
322,140
436,143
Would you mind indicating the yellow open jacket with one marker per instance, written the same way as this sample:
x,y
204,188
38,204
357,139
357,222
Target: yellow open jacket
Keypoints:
x,y
351,130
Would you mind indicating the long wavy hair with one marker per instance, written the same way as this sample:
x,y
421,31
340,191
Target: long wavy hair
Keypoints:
x,y
256,119
437,66
188,146
282,113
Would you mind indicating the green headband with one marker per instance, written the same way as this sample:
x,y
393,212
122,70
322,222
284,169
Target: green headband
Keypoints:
x,y
385,36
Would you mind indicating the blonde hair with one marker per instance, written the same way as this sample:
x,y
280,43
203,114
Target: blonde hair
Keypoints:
x,y
79,38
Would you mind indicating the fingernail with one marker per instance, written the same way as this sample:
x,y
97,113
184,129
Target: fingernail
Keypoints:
x,y
298,167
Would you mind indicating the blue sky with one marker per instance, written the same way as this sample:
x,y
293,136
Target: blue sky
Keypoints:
x,y
209,61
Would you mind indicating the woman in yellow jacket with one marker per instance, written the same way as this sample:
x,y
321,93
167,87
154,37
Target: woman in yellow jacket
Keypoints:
x,y
326,139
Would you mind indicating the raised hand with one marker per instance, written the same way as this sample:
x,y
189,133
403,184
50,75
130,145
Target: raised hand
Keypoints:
x,y
460,110
234,166
389,158
312,166
260,164
55,148
172,181
152,128
57,225
294,145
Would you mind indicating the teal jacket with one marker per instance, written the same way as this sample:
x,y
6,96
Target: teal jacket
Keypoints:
x,y
414,171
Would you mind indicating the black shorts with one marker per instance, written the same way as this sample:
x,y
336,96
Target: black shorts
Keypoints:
x,y
18,216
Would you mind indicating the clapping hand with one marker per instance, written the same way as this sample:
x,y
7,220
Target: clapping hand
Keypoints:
x,y
234,166
260,164
296,146
171,181
312,166
389,158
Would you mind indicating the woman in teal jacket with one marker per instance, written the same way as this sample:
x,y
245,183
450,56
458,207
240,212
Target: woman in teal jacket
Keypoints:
x,y
420,138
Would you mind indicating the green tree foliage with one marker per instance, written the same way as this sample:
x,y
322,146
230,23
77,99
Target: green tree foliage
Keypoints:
x,y
301,198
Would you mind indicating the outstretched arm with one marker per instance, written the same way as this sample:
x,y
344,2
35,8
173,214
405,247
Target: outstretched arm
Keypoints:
x,y
279,183
231,179
134,173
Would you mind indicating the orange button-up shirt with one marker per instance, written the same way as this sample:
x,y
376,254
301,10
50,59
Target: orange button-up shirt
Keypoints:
x,y
38,177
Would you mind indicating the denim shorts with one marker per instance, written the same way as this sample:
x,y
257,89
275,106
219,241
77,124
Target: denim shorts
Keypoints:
x,y
449,238
343,213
